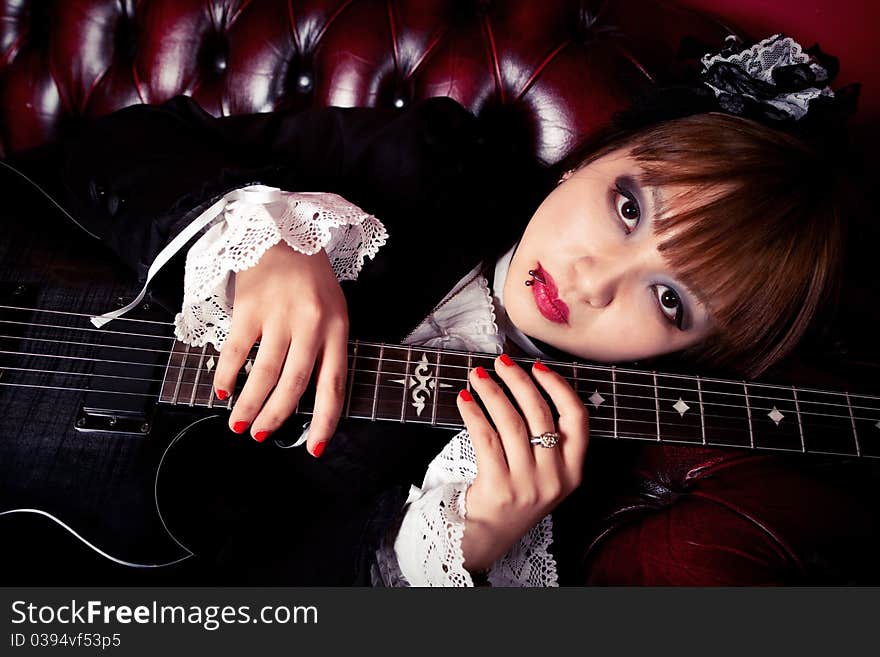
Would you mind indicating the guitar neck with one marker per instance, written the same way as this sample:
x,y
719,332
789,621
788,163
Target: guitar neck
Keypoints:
x,y
399,383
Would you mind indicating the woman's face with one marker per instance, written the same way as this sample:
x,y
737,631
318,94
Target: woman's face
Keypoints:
x,y
608,294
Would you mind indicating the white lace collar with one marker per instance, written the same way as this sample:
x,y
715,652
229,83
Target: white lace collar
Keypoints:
x,y
504,324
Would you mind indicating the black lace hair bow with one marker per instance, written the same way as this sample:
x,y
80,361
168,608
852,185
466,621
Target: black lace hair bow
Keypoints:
x,y
774,81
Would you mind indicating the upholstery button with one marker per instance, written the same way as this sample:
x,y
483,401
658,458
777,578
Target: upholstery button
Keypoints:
x,y
213,56
304,82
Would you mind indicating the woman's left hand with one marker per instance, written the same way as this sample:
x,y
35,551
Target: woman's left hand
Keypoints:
x,y
518,483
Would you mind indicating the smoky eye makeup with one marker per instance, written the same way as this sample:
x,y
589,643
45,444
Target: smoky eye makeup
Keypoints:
x,y
671,305
627,203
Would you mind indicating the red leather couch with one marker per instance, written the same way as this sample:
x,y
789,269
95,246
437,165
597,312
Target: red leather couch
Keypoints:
x,y
557,69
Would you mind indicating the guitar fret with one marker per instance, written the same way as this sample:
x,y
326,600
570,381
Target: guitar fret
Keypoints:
x,y
437,391
353,368
406,374
702,411
656,404
867,420
192,397
852,420
211,392
174,398
470,366
376,387
168,367
614,399
723,413
797,411
749,414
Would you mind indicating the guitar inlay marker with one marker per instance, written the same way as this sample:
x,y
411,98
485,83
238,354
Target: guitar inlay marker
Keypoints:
x,y
248,367
210,364
596,399
775,415
681,407
425,382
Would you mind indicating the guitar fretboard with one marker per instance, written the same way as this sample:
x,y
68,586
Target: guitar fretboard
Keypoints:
x,y
399,383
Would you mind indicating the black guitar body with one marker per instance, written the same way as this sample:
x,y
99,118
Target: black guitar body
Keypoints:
x,y
97,478
114,488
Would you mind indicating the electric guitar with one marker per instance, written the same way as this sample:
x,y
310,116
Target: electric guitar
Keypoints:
x,y
91,419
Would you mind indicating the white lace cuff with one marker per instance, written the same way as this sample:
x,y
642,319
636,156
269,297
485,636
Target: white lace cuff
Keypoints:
x,y
528,562
307,222
428,544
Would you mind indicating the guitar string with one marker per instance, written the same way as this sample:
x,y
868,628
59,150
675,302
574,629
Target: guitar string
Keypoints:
x,y
597,431
646,385
458,381
462,382
452,366
73,314
560,364
394,389
396,393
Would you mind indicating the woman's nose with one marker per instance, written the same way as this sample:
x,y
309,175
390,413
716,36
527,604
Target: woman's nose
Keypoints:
x,y
598,282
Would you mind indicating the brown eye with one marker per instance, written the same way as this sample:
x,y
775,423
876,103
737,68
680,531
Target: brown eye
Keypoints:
x,y
628,210
670,304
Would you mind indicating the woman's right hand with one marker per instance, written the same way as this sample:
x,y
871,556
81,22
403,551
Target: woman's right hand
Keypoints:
x,y
293,304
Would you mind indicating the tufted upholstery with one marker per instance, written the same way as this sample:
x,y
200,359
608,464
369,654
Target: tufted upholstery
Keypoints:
x,y
237,56
554,68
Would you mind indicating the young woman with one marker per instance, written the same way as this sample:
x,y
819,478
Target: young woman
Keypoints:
x,y
695,227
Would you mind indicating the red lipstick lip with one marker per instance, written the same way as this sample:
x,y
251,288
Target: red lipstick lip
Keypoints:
x,y
545,294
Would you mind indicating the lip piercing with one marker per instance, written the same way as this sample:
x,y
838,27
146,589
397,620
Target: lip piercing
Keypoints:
x,y
534,274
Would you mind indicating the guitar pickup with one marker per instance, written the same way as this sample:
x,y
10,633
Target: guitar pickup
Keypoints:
x,y
96,420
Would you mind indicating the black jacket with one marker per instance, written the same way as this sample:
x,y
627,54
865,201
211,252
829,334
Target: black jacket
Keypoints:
x,y
451,191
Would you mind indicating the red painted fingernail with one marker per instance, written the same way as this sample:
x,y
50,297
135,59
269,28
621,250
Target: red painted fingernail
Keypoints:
x,y
541,367
260,436
465,396
240,426
504,358
481,373
319,448
222,394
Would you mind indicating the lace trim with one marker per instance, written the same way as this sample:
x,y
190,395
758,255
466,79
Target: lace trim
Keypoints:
x,y
528,562
428,545
490,304
307,222
760,60
463,320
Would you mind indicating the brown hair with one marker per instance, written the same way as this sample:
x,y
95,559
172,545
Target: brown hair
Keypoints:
x,y
760,242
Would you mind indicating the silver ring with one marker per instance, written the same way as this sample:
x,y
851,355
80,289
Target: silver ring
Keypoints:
x,y
547,439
